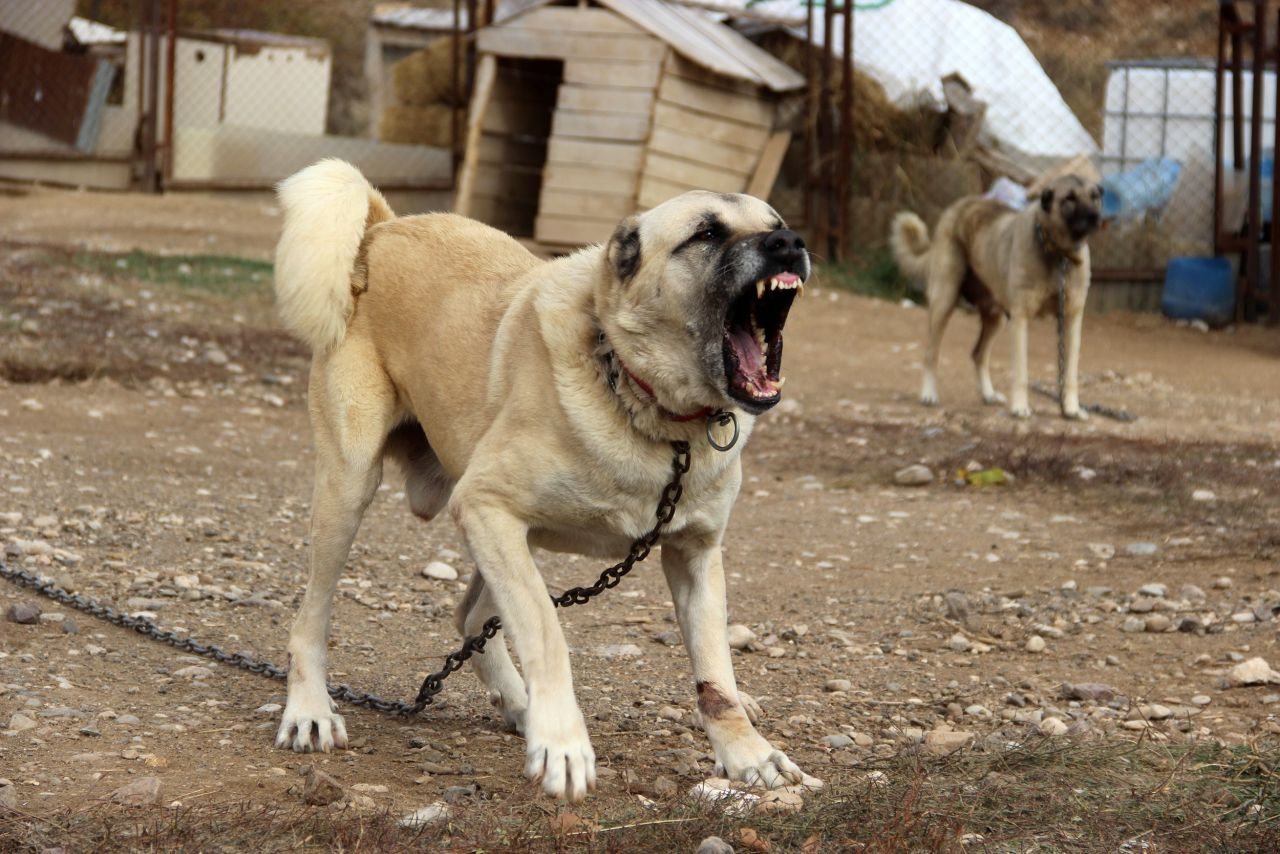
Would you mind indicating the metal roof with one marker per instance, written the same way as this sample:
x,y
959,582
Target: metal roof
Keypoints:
x,y
706,42
694,34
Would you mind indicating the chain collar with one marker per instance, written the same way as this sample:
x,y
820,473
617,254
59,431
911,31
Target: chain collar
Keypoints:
x,y
614,367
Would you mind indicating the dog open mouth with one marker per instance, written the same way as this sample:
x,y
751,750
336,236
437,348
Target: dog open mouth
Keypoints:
x,y
753,340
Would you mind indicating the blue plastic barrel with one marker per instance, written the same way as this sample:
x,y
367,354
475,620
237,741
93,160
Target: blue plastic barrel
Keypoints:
x,y
1148,185
1199,288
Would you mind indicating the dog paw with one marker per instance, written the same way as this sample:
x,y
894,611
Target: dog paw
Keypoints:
x,y
1076,415
995,398
929,398
559,755
513,712
1020,411
758,763
311,725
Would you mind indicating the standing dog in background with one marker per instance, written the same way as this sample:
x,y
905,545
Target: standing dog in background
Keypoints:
x,y
1007,263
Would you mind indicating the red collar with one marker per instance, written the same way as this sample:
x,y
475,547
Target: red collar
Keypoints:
x,y
671,416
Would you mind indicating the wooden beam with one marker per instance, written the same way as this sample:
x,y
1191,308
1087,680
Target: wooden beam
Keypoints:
x,y
775,150
486,72
537,44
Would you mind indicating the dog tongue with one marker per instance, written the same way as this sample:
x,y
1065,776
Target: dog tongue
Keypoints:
x,y
751,367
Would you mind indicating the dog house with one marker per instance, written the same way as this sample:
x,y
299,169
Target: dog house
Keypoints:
x,y
584,114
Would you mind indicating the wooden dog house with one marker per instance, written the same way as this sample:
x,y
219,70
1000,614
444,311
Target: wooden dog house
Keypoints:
x,y
584,114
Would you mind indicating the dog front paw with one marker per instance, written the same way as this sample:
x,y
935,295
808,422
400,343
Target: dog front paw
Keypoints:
x,y
513,710
1075,414
311,725
1023,411
559,755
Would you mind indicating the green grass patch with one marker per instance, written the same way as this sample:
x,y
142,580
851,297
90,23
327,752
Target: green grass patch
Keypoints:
x,y
877,276
218,275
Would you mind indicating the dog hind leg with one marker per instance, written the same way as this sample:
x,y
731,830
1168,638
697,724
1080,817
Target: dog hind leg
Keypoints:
x,y
945,276
494,667
352,411
992,321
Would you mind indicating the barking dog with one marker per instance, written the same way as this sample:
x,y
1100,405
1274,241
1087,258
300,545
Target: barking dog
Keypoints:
x,y
536,402
1007,264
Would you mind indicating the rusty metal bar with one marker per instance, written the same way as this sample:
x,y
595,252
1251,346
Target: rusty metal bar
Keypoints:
x,y
455,49
171,46
823,226
1133,274
845,163
66,156
151,45
810,117
1254,281
1217,129
1273,289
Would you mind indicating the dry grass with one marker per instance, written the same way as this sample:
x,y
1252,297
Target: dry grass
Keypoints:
x,y
1037,795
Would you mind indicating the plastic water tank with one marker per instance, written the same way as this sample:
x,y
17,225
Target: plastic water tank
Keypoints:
x,y
1202,288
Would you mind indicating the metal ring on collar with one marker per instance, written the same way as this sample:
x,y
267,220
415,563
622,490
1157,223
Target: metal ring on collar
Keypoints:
x,y
721,418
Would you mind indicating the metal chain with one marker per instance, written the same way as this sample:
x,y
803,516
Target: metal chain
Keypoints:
x,y
434,682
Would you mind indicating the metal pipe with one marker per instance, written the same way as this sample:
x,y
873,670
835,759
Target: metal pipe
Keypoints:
x,y
150,174
455,51
823,229
171,65
1273,290
845,163
810,118
1254,283
1217,129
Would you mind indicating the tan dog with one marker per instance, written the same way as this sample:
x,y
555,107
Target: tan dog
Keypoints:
x,y
1007,264
537,402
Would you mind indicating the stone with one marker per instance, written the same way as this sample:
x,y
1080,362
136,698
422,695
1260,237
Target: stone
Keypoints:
x,y
25,613
913,475
664,787
8,795
1086,691
838,685
1153,589
1155,712
1190,623
1052,727
619,650
1201,700
714,845
194,671
946,740
140,793
1142,549
1243,617
1192,593
319,789
1255,671
1203,495
1156,623
440,571
1142,605
1133,624
1035,643
837,741
268,710
740,637
959,643
780,801
1102,551
1222,583
423,816
20,722
957,607
668,638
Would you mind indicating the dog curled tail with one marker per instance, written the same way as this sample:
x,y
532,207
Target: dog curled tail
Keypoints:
x,y
909,239
328,207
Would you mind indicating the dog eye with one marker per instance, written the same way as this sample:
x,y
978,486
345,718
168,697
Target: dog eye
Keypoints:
x,y
709,234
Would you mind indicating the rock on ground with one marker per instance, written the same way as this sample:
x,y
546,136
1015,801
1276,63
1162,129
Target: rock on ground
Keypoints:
x,y
319,789
139,793
423,816
916,475
714,845
1255,671
740,637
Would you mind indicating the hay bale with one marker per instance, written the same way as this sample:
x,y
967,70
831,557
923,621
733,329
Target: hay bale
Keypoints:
x,y
425,77
429,125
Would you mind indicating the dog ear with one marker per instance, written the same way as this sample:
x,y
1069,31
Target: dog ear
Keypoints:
x,y
1046,199
623,251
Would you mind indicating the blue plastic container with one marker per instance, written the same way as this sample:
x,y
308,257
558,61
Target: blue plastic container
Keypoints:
x,y
1199,288
1149,185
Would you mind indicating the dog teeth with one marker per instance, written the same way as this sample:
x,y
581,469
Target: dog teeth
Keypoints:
x,y
800,291
760,289
779,383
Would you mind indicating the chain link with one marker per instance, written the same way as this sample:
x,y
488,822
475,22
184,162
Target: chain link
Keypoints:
x,y
453,662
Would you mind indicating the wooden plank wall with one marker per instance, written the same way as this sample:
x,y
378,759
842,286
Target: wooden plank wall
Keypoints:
x,y
512,145
603,112
708,134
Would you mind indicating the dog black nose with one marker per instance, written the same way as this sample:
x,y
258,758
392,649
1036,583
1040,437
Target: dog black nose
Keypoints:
x,y
784,246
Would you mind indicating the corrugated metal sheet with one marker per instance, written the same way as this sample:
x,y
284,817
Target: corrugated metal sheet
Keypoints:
x,y
708,43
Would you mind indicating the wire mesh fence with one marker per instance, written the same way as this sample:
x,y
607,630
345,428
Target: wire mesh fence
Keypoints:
x,y
949,98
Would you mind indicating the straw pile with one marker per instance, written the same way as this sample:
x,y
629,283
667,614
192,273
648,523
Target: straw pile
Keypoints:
x,y
429,125
425,77
424,100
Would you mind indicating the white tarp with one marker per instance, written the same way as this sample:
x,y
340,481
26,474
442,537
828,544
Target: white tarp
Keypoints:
x,y
908,46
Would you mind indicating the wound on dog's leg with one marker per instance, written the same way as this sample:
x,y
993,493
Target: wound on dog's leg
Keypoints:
x,y
714,703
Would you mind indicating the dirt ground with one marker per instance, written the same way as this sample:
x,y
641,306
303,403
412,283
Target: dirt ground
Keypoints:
x,y
155,455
